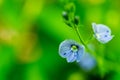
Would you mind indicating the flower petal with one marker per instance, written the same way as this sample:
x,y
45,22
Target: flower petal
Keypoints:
x,y
71,58
80,53
104,38
100,28
64,52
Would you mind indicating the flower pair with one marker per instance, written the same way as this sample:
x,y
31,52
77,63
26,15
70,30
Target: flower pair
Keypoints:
x,y
73,51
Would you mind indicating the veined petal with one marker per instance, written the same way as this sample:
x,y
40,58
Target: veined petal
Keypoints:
x,y
103,29
80,53
104,38
100,28
71,58
64,48
64,51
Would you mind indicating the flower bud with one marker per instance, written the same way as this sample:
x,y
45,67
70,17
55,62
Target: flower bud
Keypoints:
x,y
65,15
76,20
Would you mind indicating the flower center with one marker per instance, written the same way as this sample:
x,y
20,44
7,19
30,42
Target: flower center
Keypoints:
x,y
74,48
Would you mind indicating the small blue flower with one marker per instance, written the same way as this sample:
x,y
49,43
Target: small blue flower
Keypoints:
x,y
88,62
71,50
102,33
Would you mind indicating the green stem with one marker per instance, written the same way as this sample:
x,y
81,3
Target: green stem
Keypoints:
x,y
90,38
79,35
81,39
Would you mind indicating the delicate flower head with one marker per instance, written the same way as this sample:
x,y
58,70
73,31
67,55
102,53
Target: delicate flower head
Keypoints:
x,y
71,50
88,62
102,33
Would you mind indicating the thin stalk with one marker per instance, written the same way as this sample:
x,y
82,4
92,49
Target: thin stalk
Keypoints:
x,y
81,39
79,35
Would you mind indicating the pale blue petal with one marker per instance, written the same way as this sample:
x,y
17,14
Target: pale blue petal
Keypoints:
x,y
100,28
64,48
80,53
104,38
103,29
64,51
71,58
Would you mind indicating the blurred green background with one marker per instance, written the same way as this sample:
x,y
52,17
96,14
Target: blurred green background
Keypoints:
x,y
31,31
